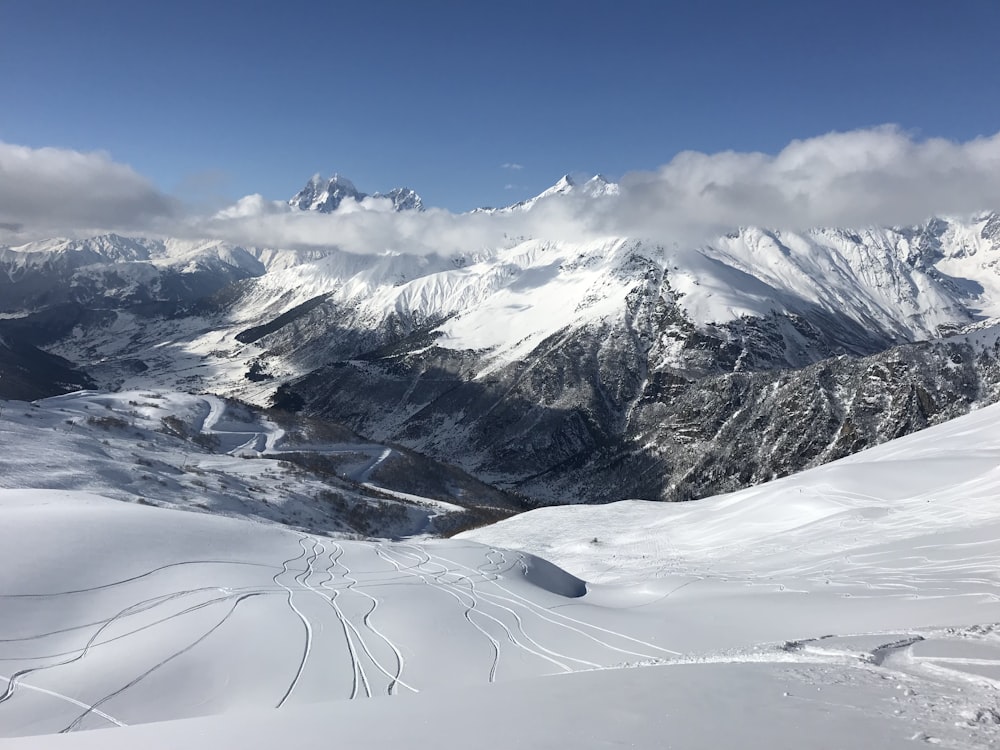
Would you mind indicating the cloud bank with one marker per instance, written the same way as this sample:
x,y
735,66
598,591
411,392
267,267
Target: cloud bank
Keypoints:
x,y
863,177
59,191
875,176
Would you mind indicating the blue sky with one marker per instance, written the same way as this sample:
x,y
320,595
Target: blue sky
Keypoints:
x,y
214,100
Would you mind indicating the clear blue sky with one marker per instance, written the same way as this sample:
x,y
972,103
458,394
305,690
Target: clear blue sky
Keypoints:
x,y
216,99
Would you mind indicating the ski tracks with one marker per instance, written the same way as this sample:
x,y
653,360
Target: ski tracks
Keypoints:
x,y
307,646
358,646
465,584
470,606
353,585
520,607
321,567
544,612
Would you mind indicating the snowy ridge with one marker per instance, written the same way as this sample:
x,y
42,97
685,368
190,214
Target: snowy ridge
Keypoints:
x,y
519,296
885,498
510,301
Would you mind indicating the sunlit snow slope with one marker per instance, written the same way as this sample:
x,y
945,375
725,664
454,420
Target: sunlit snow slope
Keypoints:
x,y
119,614
854,605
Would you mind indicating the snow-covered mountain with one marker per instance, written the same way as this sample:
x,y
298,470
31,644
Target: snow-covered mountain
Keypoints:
x,y
326,196
115,271
547,366
421,394
595,187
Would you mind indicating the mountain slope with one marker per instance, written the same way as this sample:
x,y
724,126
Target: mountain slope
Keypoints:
x,y
850,605
27,372
203,453
549,366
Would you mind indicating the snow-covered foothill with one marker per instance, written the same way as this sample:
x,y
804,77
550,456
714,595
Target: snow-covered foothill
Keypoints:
x,y
203,453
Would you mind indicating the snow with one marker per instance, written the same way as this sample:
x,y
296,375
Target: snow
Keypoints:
x,y
540,289
750,706
856,604
325,619
853,605
597,186
194,453
501,302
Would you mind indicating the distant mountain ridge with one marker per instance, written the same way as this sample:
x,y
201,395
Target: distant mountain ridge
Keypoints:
x,y
564,370
326,195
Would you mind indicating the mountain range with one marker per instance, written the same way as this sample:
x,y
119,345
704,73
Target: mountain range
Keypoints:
x,y
325,196
564,371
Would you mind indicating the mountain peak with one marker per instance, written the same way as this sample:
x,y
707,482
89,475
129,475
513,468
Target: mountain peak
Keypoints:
x,y
599,185
342,182
564,186
326,195
403,199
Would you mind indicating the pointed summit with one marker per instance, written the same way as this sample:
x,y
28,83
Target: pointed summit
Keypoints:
x,y
596,187
403,199
326,195
563,187
599,185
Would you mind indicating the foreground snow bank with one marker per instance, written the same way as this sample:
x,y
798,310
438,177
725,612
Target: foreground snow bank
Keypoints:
x,y
115,614
746,706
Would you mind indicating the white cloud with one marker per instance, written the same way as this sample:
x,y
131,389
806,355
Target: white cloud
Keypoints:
x,y
876,176
52,190
512,165
249,206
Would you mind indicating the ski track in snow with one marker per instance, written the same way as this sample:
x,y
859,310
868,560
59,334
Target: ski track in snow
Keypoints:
x,y
472,605
89,709
539,611
307,646
363,625
395,678
96,711
468,608
360,677
549,655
